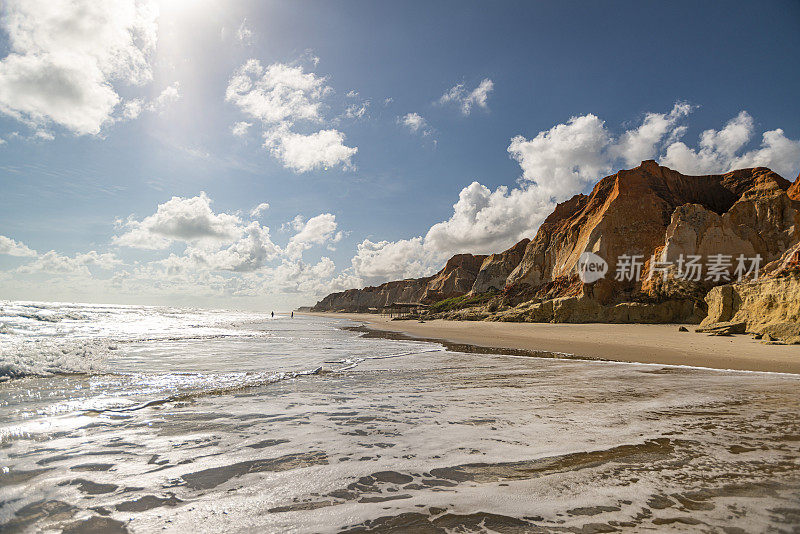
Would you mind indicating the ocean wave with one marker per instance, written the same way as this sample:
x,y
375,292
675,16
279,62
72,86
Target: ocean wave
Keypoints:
x,y
47,358
50,317
249,381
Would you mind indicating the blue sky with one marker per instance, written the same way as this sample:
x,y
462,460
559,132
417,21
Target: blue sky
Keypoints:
x,y
361,124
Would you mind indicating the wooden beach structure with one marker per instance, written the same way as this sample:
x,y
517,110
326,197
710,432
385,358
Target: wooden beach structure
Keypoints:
x,y
404,310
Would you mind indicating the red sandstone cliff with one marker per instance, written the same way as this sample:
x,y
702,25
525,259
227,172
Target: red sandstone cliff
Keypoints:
x,y
645,211
627,213
455,279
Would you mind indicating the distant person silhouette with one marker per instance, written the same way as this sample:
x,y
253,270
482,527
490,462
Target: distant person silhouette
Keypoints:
x,y
292,315
273,315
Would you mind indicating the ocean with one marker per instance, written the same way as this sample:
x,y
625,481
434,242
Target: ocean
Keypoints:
x,y
145,419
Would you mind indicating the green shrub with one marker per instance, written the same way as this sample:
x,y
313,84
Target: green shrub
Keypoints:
x,y
457,303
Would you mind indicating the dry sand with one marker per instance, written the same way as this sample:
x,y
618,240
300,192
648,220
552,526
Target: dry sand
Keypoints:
x,y
642,343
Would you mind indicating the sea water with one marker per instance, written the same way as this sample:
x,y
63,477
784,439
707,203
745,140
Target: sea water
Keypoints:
x,y
144,419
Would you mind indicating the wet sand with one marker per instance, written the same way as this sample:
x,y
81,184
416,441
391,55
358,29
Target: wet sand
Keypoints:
x,y
660,344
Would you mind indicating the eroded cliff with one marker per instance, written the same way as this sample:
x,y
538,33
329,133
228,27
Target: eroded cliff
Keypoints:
x,y
650,212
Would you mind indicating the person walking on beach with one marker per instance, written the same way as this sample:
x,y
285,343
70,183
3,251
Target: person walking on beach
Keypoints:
x,y
292,315
273,315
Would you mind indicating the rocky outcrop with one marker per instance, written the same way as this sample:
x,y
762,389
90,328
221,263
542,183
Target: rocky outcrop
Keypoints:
x,y
763,221
587,310
374,297
629,213
769,306
455,279
495,269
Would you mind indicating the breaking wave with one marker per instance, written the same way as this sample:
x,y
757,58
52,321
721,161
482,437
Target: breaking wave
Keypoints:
x,y
22,358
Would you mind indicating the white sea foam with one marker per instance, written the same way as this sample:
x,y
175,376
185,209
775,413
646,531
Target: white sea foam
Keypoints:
x,y
21,358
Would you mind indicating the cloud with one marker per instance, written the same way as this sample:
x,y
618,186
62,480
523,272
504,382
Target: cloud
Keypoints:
x,y
249,253
720,151
258,210
55,263
282,95
565,158
131,109
223,256
482,222
66,56
357,111
220,241
278,93
316,231
777,152
485,221
295,224
467,100
240,128
188,220
168,96
414,122
302,153
377,262
244,34
14,248
556,164
635,146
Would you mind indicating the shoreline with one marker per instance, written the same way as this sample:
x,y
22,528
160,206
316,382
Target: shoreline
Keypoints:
x,y
633,343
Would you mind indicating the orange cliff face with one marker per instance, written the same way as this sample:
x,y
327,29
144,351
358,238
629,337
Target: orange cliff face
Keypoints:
x,y
642,211
455,279
628,213
496,268
794,190
373,298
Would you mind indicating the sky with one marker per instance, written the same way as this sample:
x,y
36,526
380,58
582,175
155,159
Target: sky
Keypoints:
x,y
261,154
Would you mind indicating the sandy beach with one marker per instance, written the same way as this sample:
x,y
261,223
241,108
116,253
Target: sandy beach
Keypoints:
x,y
661,343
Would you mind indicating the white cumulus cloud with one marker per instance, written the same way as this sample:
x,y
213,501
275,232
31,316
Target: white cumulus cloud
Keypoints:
x,y
180,219
14,248
485,221
277,93
280,96
642,143
722,150
565,158
316,231
66,55
249,253
377,262
302,153
170,95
